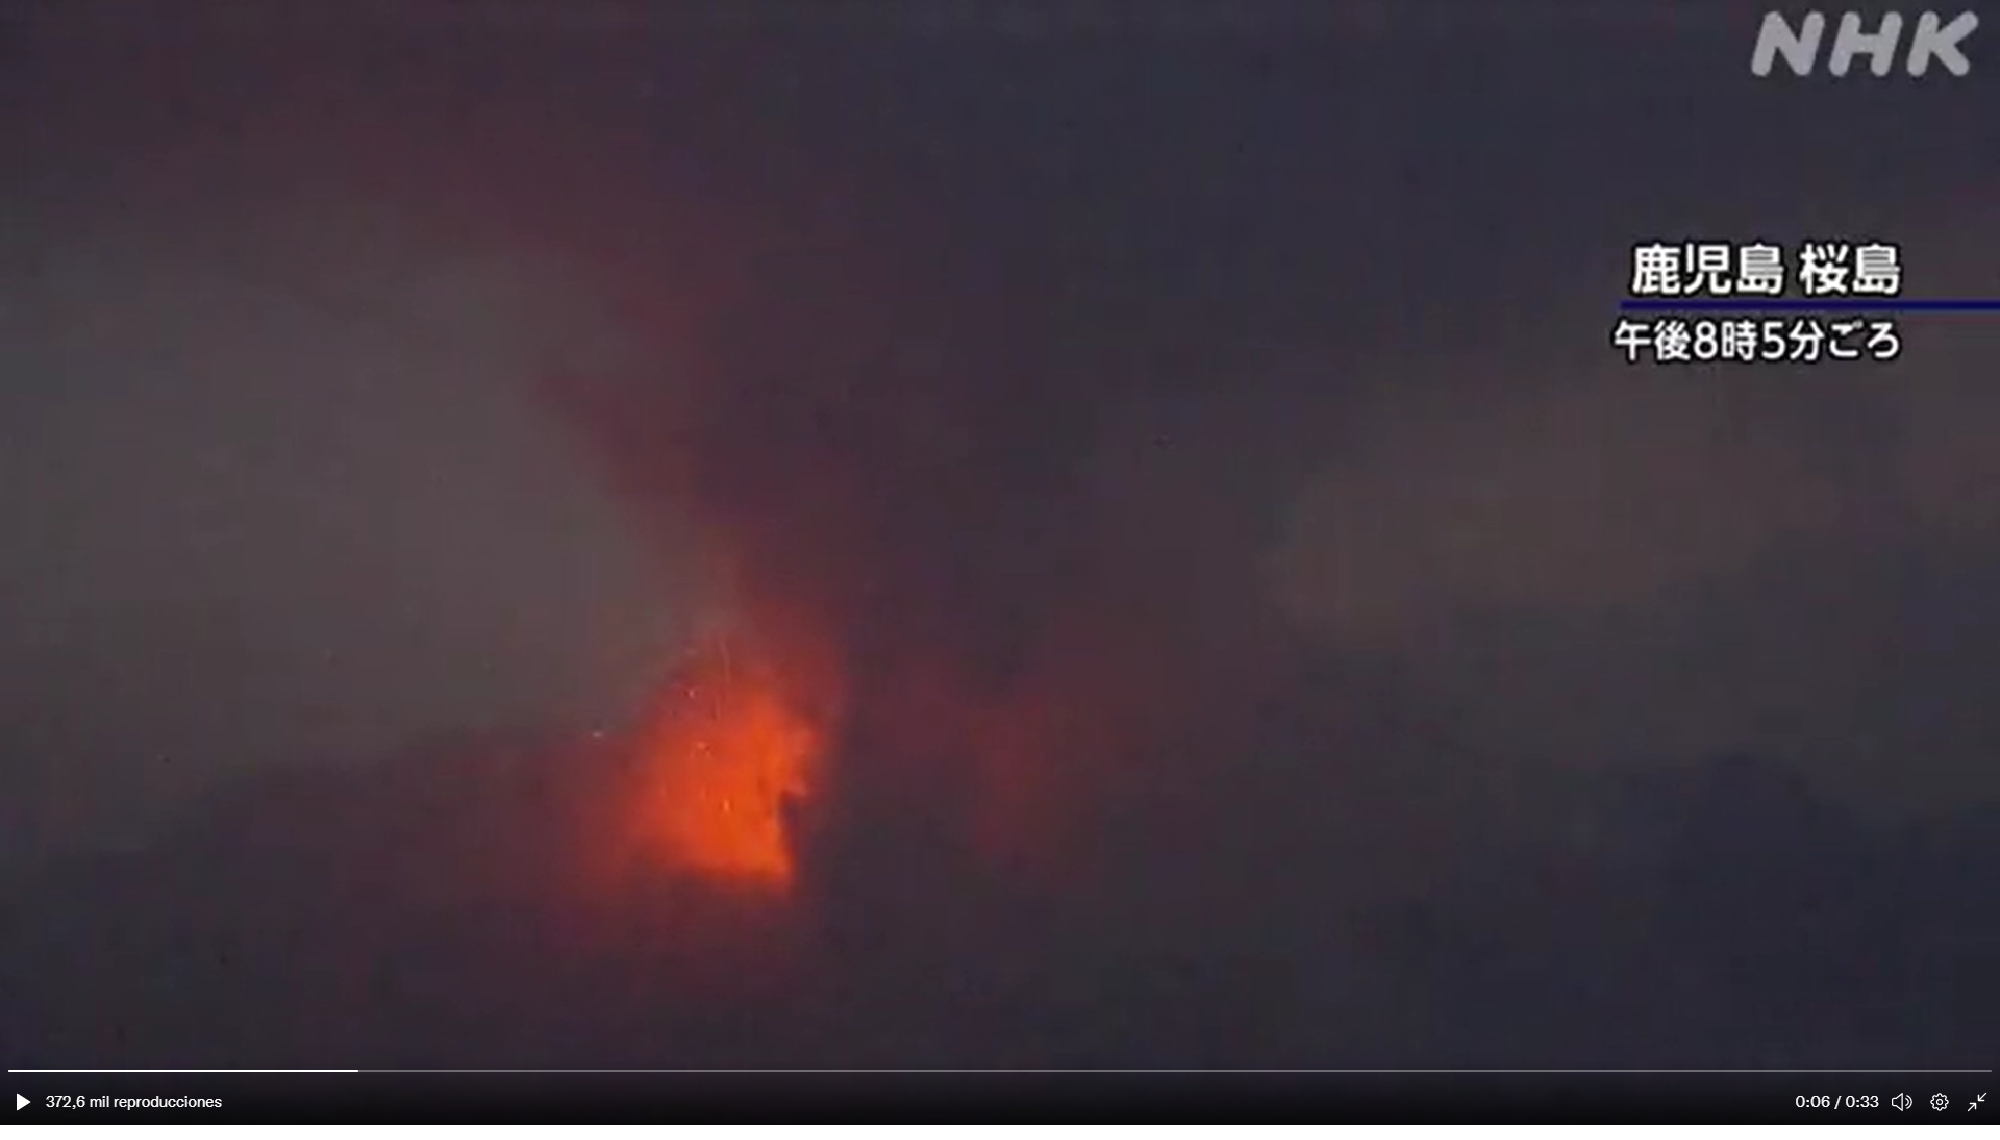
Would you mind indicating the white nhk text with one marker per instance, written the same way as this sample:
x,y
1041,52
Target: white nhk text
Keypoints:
x,y
1934,39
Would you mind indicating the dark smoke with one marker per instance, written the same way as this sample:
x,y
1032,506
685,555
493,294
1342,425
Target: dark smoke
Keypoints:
x,y
1014,565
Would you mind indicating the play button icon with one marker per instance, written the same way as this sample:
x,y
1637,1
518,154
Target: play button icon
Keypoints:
x,y
20,1102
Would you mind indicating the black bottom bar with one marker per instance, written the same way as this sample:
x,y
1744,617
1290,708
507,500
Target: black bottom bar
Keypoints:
x,y
696,1098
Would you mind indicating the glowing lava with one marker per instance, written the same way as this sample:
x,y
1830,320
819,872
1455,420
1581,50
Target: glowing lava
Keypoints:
x,y
723,765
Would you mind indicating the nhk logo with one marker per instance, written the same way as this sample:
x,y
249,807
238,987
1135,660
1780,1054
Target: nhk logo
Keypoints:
x,y
1800,47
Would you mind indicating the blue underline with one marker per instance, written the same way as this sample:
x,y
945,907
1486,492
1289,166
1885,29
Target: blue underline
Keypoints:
x,y
1807,305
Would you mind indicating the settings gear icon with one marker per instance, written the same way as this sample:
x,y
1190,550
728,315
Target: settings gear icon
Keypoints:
x,y
1940,1101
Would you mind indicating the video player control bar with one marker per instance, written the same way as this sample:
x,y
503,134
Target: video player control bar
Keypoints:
x,y
1080,1097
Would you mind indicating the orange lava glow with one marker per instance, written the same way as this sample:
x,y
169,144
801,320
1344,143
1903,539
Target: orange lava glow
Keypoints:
x,y
723,764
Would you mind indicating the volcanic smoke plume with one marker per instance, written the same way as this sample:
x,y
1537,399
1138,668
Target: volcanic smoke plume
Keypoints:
x,y
931,607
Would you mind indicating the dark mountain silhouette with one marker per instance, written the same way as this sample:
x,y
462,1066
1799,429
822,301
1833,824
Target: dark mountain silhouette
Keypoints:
x,y
416,915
